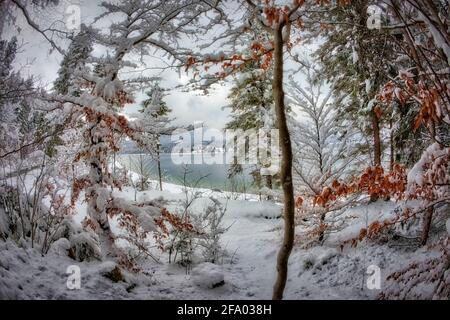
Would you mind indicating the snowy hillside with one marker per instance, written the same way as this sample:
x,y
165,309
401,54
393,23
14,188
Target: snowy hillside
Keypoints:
x,y
247,267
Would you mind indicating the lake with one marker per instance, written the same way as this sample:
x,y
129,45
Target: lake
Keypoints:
x,y
211,176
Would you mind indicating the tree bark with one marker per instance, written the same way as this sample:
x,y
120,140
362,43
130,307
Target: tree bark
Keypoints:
x,y
322,221
269,185
392,147
98,214
376,139
426,225
159,167
114,164
141,169
376,145
285,170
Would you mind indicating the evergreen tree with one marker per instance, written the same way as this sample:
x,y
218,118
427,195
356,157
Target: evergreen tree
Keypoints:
x,y
321,139
154,105
252,109
74,61
18,100
358,61
154,120
13,87
323,150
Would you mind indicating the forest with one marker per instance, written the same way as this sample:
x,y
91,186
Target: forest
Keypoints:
x,y
225,149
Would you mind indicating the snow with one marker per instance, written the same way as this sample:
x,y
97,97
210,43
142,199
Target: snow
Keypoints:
x,y
355,56
208,275
60,247
368,85
25,274
362,217
438,37
416,173
247,269
261,209
240,233
3,223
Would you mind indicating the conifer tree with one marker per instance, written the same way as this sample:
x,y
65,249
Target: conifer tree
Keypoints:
x,y
75,59
357,61
154,120
252,108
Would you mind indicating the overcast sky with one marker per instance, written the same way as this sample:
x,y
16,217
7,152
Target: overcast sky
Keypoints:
x,y
36,59
187,107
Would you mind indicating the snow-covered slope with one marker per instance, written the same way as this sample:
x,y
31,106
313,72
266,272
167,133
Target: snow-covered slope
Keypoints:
x,y
248,268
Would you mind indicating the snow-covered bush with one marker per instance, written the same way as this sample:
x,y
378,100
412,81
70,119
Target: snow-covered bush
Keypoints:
x,y
211,228
60,247
208,275
427,279
187,234
84,246
137,221
316,223
175,236
33,205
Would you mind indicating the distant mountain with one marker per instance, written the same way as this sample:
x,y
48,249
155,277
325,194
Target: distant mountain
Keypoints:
x,y
167,144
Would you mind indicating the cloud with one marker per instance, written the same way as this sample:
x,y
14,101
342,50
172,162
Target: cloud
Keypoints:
x,y
187,107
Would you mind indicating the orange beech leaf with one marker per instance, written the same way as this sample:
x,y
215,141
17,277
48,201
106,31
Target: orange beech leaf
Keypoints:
x,y
298,202
362,234
378,112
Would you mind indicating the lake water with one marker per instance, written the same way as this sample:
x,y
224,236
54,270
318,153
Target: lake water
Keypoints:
x,y
211,176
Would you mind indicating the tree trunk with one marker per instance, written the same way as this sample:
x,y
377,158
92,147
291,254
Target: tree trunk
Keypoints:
x,y
269,185
426,225
159,167
98,214
376,139
322,221
97,207
141,169
391,152
114,164
392,147
285,170
376,145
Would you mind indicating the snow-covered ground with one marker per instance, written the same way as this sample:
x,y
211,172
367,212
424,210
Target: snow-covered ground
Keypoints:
x,y
247,270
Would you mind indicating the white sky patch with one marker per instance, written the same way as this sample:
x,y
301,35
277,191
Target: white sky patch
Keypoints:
x,y
37,59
